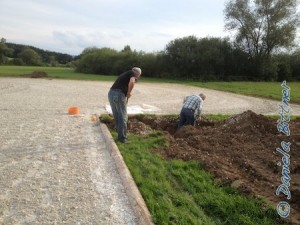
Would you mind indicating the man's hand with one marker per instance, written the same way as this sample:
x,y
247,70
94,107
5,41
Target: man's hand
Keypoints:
x,y
198,120
128,95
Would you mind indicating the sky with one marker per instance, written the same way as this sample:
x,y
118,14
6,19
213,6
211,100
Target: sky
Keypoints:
x,y
70,26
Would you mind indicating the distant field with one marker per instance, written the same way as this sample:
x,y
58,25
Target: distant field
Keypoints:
x,y
269,90
53,72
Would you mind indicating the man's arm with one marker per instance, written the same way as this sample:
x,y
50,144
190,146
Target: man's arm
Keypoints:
x,y
199,109
130,86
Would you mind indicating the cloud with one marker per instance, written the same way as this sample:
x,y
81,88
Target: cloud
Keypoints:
x,y
70,26
82,39
72,39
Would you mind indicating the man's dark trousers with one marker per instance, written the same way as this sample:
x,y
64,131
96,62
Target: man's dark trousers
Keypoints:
x,y
186,117
118,105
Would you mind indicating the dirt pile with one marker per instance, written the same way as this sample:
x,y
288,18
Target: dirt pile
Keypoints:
x,y
249,123
36,74
240,151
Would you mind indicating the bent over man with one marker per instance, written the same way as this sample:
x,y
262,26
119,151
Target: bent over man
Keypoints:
x,y
191,109
118,96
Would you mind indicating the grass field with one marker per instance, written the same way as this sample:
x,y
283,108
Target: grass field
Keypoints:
x,y
269,90
53,72
179,192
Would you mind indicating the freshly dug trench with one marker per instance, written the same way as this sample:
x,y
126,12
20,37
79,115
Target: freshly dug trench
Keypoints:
x,y
240,151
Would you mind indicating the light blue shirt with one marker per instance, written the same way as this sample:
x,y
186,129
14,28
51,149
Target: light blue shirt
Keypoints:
x,y
193,102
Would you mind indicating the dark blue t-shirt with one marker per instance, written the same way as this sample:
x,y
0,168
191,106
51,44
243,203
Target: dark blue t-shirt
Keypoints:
x,y
123,81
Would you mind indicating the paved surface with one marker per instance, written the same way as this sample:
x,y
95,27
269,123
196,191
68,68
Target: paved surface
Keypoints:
x,y
55,168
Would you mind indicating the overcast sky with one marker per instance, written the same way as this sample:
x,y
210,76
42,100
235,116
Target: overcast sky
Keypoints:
x,y
69,26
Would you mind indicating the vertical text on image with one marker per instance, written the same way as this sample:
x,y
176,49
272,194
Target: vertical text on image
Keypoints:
x,y
283,207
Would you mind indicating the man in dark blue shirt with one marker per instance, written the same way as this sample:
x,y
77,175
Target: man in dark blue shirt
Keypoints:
x,y
118,96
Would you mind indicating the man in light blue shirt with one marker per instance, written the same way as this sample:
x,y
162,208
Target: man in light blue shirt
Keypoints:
x,y
191,109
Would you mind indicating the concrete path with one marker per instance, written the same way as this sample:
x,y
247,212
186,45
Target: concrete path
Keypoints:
x,y
55,168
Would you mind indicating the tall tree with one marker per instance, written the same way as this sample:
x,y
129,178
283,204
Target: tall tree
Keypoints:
x,y
182,54
202,59
262,26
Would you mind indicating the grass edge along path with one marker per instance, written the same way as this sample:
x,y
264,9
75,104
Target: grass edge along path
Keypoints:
x,y
267,90
181,192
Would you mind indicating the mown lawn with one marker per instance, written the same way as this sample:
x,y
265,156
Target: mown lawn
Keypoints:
x,y
53,72
181,192
269,90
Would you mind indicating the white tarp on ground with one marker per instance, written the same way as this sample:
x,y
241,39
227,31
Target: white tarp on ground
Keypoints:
x,y
136,109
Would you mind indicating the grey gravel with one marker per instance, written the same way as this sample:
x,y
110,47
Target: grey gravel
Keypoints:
x,y
55,168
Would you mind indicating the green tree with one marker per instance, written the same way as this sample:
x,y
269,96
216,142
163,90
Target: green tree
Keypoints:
x,y
89,50
284,69
149,64
30,57
5,51
295,65
127,49
107,61
200,59
214,58
98,61
181,55
262,26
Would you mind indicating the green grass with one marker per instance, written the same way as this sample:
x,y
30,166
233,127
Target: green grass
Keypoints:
x,y
179,192
53,72
68,73
218,117
269,90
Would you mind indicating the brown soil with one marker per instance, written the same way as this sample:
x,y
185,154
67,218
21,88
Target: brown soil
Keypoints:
x,y
36,74
240,151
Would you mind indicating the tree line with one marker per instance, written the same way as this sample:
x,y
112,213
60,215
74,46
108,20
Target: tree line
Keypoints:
x,y
262,47
202,59
16,54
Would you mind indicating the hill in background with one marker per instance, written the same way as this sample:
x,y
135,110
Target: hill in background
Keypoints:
x,y
18,54
46,56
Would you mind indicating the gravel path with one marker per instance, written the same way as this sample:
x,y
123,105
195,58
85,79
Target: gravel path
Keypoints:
x,y
56,169
169,98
